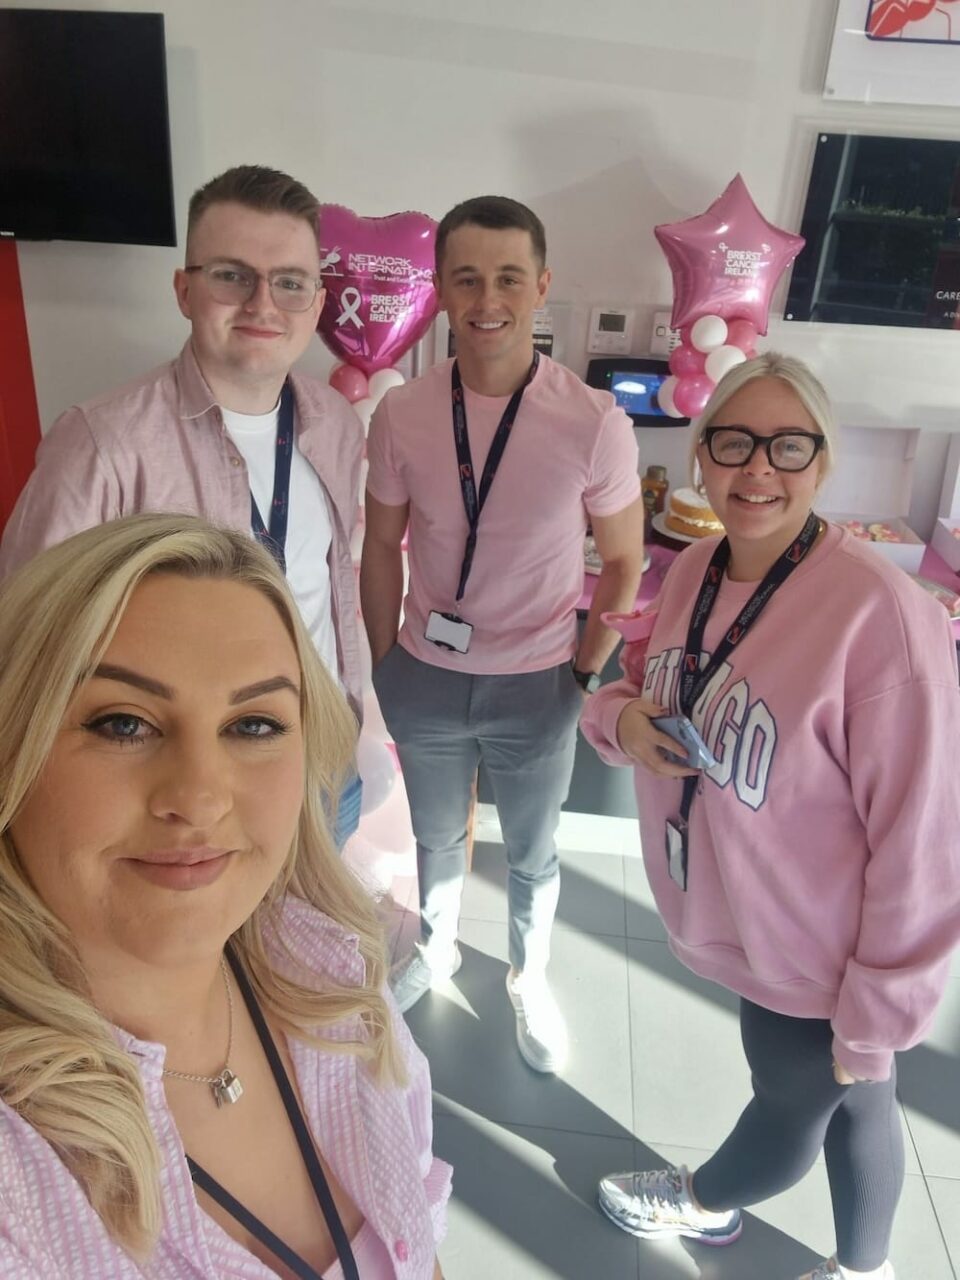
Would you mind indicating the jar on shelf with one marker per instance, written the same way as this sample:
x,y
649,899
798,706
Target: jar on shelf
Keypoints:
x,y
653,490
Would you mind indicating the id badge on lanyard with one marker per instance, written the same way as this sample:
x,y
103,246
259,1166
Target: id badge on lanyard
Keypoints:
x,y
693,681
447,629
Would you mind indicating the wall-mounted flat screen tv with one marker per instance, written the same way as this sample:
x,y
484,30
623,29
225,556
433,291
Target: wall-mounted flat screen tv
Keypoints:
x,y
84,134
882,225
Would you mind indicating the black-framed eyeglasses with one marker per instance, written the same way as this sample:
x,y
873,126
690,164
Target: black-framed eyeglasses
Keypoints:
x,y
785,450
233,284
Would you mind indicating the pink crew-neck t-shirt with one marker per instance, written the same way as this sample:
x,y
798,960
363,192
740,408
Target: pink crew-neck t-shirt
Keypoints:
x,y
571,455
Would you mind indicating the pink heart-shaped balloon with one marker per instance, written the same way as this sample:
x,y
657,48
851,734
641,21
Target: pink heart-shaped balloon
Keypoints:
x,y
378,274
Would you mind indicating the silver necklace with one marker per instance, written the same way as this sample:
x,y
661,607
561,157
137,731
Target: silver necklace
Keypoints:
x,y
226,1087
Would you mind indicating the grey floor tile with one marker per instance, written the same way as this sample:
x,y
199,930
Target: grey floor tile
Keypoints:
x,y
643,918
591,893
469,1036
690,1078
788,1234
929,1083
523,1205
945,1194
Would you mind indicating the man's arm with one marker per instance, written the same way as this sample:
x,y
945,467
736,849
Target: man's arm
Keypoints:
x,y
381,574
619,540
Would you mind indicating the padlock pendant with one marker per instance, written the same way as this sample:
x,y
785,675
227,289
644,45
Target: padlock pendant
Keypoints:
x,y
226,1088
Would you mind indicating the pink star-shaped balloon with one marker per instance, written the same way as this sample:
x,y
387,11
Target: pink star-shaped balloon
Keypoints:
x,y
726,261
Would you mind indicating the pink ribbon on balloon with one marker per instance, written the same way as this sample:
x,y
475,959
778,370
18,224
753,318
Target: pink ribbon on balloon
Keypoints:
x,y
378,274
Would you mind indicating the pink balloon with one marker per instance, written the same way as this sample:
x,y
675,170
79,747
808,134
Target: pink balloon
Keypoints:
x,y
691,394
378,274
726,261
350,382
742,334
686,361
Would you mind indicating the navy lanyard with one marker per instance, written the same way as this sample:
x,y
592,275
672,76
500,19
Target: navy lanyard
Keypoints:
x,y
321,1188
274,538
472,502
693,681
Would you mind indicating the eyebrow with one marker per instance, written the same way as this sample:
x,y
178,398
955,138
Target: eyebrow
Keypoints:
x,y
777,431
507,266
108,671
274,271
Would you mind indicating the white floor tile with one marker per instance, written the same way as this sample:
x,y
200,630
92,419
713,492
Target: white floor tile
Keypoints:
x,y
471,1043
945,1194
690,1078
524,1203
929,1085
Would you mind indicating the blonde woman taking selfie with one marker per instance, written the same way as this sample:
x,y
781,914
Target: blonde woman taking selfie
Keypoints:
x,y
201,1071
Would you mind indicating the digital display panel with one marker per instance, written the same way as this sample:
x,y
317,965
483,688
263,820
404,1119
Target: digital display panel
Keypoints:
x,y
612,322
636,392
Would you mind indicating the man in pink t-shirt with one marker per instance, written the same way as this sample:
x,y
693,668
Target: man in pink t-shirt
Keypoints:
x,y
496,462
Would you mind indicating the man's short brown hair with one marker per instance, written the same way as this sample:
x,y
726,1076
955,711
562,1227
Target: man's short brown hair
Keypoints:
x,y
498,213
255,187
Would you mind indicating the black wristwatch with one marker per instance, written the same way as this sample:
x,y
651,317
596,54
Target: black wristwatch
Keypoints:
x,y
588,681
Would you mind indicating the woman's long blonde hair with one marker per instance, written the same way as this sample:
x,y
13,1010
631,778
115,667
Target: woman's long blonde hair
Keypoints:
x,y
60,1064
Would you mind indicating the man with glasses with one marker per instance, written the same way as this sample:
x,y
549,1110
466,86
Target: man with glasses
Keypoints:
x,y
225,430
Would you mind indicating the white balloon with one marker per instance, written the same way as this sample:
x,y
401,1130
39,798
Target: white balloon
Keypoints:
x,y
665,396
381,382
708,332
378,771
364,410
721,360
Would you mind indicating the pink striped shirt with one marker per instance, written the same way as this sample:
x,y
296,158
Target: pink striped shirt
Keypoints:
x,y
376,1139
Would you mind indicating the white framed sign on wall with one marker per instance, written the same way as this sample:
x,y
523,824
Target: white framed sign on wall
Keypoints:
x,y
894,51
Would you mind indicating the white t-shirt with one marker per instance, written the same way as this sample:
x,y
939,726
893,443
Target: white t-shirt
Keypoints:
x,y
309,532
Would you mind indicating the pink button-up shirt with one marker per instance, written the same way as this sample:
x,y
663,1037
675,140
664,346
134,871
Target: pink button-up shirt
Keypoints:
x,y
159,444
376,1139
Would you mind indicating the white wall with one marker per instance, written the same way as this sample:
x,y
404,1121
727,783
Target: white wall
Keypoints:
x,y
606,117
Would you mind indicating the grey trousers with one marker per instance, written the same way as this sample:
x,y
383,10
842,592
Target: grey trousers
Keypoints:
x,y
524,730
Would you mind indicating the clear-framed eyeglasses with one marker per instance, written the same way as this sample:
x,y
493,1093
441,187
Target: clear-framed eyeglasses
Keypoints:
x,y
234,283
785,450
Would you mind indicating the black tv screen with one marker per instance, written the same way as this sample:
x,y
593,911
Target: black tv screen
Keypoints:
x,y
84,134
882,225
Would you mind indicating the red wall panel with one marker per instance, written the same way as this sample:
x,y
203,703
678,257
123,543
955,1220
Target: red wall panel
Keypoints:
x,y
19,420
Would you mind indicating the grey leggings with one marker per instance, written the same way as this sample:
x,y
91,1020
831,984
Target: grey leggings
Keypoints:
x,y
798,1109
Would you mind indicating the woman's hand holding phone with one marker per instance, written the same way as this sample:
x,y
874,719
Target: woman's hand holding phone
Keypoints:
x,y
642,741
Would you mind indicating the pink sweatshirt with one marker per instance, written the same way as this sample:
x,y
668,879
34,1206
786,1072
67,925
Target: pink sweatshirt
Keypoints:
x,y
824,863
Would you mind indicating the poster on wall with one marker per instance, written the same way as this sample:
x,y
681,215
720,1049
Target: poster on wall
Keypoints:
x,y
896,51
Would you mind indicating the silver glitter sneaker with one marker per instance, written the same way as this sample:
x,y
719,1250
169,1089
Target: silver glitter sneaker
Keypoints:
x,y
658,1204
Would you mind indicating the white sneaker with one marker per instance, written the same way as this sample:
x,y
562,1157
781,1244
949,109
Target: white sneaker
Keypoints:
x,y
658,1204
541,1030
830,1269
419,971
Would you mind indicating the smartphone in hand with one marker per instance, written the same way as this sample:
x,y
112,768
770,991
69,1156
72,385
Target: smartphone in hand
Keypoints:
x,y
692,751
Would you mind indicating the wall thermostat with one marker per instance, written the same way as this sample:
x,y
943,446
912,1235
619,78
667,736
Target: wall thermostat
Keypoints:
x,y
611,331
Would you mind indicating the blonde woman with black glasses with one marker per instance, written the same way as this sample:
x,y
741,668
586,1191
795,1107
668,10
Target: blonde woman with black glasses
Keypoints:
x,y
801,831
